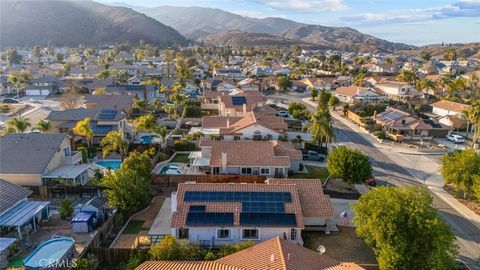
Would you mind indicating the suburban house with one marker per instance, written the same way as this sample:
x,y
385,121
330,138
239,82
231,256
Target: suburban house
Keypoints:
x,y
36,159
148,92
353,94
121,102
269,158
261,71
403,125
236,103
19,216
84,72
399,91
228,73
251,126
276,253
444,107
380,68
103,120
214,214
249,84
43,86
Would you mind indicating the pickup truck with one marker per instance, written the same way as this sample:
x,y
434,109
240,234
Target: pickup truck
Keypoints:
x,y
312,155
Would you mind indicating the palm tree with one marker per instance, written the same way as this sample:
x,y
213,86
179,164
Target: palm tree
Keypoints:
x,y
321,129
473,115
147,123
43,126
17,124
83,129
114,142
426,85
408,76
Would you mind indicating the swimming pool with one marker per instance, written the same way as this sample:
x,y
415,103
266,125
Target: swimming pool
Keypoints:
x,y
51,254
170,169
148,139
109,164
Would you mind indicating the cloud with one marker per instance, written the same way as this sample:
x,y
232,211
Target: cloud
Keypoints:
x,y
307,5
463,8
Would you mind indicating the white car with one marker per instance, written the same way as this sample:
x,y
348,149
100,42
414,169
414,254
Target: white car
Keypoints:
x,y
283,114
455,138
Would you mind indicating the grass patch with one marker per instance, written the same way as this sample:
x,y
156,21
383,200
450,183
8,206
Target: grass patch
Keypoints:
x,y
134,227
181,158
314,172
16,262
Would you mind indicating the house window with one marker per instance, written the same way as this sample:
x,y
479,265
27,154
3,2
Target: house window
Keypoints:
x,y
246,170
182,233
264,171
293,234
66,150
250,234
223,234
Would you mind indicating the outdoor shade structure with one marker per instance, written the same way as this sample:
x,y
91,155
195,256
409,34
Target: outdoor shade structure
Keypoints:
x,y
83,222
24,216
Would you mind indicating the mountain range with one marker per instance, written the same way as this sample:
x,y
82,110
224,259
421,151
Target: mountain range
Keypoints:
x,y
28,23
199,23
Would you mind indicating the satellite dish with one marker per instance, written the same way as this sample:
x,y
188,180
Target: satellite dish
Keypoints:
x,y
321,249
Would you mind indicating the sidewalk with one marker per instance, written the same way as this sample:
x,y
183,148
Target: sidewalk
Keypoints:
x,y
429,175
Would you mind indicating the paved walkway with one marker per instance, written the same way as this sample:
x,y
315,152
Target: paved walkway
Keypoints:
x,y
428,174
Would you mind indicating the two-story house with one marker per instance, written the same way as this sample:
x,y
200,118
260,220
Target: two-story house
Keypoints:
x,y
399,91
353,94
43,86
35,159
269,158
237,103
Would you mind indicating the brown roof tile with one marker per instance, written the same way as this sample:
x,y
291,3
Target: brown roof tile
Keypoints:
x,y
450,106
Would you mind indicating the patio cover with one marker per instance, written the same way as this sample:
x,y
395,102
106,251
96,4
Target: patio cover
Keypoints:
x,y
21,213
67,171
198,160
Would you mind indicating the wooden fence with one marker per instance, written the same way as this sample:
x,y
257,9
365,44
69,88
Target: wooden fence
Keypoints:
x,y
174,180
114,255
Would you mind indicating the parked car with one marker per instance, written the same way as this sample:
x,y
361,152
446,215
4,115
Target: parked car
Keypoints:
x,y
312,155
455,138
283,114
9,100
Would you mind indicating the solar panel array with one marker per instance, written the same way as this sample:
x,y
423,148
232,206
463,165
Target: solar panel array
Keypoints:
x,y
107,114
263,207
197,208
239,101
207,219
237,196
268,219
102,129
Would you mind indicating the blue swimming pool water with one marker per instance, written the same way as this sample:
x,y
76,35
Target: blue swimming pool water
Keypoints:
x,y
109,164
170,169
147,139
49,252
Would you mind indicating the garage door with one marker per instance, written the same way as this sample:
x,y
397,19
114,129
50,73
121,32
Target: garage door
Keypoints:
x,y
45,92
32,92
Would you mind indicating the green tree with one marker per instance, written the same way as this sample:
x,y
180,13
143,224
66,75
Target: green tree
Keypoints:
x,y
425,55
408,76
450,55
404,230
167,249
283,82
17,124
13,57
293,106
19,79
349,164
323,99
114,142
83,129
426,85
473,116
43,126
460,168
66,208
333,101
313,93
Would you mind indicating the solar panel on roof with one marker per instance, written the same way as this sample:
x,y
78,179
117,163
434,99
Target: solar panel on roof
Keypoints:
x,y
268,219
263,207
197,208
107,114
203,219
102,129
229,196
239,101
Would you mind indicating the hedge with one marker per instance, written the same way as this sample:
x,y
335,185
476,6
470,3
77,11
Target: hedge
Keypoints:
x,y
183,145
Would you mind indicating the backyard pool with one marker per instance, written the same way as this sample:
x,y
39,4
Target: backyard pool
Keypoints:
x,y
52,253
148,139
109,164
170,169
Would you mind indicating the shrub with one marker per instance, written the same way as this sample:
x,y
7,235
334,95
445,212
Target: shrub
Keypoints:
x,y
210,256
66,208
84,152
300,167
4,108
380,134
183,145
192,111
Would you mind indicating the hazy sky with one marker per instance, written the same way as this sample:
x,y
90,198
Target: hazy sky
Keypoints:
x,y
416,22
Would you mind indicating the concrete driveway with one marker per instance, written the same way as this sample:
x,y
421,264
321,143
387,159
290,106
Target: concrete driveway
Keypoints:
x,y
340,205
451,145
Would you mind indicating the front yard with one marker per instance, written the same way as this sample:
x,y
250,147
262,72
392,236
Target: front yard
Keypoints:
x,y
343,245
314,172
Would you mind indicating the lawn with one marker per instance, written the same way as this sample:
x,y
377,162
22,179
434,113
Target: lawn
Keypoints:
x,y
314,172
134,227
181,158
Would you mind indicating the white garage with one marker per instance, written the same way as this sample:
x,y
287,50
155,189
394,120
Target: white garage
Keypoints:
x,y
36,91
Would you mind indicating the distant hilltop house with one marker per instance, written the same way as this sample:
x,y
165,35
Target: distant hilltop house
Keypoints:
x,y
214,214
253,125
236,103
269,158
276,253
36,159
103,120
406,126
353,94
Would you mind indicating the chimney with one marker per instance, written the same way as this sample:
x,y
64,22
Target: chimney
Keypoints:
x,y
228,123
288,257
224,161
244,109
174,201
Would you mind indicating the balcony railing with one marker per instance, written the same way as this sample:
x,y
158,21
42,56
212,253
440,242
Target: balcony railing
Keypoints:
x,y
74,158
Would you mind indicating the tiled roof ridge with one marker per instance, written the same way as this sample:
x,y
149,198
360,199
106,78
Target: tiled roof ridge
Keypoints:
x,y
282,256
